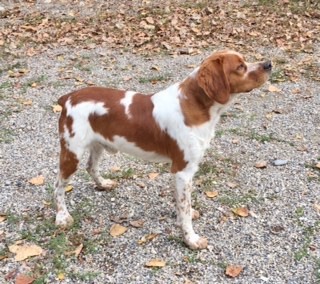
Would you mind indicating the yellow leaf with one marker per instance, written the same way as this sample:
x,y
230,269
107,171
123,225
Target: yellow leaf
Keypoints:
x,y
39,180
27,103
117,230
241,211
61,276
273,89
233,270
68,188
147,238
56,108
25,251
155,263
152,176
212,194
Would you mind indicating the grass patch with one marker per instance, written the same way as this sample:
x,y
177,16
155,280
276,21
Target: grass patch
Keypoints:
x,y
6,136
262,138
232,199
86,276
128,173
154,79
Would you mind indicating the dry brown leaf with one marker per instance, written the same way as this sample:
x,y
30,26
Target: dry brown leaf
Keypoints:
x,y
273,89
232,184
3,218
76,252
24,251
147,238
115,169
155,263
316,206
212,194
233,270
241,211
137,223
153,176
24,279
117,230
56,108
27,102
261,164
39,180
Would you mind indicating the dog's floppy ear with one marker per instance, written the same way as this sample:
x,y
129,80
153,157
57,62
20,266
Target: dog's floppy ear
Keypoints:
x,y
213,80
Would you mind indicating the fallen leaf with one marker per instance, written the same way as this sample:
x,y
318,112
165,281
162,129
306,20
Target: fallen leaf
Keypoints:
x,y
77,251
233,270
318,166
273,89
316,206
212,194
61,276
232,184
137,223
155,263
261,164
68,188
241,211
3,217
24,279
27,103
147,238
115,169
39,180
152,176
117,230
56,108
25,251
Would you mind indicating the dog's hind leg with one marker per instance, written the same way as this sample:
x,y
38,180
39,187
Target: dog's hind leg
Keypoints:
x,y
96,150
69,162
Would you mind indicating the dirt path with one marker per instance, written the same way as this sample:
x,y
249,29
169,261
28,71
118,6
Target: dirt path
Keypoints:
x,y
277,243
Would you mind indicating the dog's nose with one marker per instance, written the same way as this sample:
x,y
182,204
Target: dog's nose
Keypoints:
x,y
267,65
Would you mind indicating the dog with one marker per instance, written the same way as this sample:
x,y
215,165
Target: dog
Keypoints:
x,y
173,125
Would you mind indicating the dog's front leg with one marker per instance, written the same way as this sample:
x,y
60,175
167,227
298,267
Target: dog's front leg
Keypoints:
x,y
185,212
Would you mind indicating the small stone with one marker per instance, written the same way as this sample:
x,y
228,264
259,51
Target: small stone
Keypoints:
x,y
280,162
7,182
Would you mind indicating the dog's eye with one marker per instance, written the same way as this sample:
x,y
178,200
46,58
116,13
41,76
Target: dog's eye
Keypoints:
x,y
241,67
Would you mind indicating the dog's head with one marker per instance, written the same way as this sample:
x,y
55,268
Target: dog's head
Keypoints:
x,y
226,72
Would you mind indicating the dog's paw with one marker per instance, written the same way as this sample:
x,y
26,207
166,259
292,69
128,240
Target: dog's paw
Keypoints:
x,y
196,242
195,214
64,219
106,184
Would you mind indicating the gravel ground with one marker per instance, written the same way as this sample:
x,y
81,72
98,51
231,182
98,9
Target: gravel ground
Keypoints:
x,y
277,243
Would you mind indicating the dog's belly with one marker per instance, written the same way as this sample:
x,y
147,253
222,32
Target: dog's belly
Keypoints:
x,y
121,144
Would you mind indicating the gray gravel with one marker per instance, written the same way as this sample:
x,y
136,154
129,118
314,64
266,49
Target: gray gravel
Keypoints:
x,y
277,243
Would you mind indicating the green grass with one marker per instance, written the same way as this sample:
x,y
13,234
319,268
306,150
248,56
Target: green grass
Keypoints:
x,y
154,79
6,136
128,173
232,199
262,138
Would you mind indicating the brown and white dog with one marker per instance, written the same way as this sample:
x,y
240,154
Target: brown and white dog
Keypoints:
x,y
174,125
